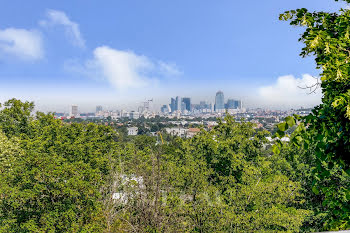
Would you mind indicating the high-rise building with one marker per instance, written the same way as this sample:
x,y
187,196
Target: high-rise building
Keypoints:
x,y
183,107
202,105
230,104
219,102
164,109
172,104
74,110
98,108
134,115
233,104
178,103
240,104
187,102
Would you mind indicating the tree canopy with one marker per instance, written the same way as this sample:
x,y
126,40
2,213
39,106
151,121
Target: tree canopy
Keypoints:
x,y
327,129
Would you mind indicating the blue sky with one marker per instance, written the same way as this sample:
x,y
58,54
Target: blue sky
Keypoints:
x,y
119,53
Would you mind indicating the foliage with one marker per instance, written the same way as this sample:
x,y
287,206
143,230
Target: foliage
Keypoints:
x,y
51,172
219,181
327,129
15,117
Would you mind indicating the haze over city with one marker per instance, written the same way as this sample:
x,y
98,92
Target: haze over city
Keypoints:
x,y
118,54
174,116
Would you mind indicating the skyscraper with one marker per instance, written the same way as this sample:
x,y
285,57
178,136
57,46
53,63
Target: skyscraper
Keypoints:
x,y
202,105
230,104
172,105
219,102
98,108
240,104
74,110
178,103
187,102
164,109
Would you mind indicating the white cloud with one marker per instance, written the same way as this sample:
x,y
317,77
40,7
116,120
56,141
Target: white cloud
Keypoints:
x,y
169,69
60,18
22,43
288,92
123,69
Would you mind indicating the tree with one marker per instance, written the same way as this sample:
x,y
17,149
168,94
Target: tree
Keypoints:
x,y
15,117
52,173
327,128
219,181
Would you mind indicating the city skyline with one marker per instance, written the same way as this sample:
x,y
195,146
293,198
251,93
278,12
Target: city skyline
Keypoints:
x,y
180,105
58,55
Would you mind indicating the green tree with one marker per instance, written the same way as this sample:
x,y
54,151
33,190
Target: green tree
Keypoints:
x,y
53,173
223,180
15,117
327,129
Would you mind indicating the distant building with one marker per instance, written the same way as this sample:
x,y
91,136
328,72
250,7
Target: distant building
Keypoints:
x,y
187,102
219,102
239,104
98,108
141,109
134,115
172,104
192,132
132,131
234,104
230,104
164,109
175,131
74,111
183,107
178,103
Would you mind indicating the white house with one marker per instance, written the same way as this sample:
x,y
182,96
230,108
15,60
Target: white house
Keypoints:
x,y
133,131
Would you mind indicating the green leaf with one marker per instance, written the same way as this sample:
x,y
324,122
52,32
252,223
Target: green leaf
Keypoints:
x,y
315,190
282,126
280,134
275,149
290,121
348,171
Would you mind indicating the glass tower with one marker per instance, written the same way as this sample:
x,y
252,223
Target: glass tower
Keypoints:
x,y
219,101
178,103
187,102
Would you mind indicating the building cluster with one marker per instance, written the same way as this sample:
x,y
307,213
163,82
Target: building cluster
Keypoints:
x,y
178,107
183,121
184,106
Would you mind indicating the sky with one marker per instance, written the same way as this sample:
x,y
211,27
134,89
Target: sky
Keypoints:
x,y
119,53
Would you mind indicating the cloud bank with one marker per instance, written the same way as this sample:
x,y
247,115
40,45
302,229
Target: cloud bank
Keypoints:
x,y
123,69
286,92
21,43
59,18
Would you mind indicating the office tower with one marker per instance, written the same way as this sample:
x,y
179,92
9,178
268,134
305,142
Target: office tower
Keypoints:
x,y
172,104
219,102
74,110
98,108
134,115
187,102
164,109
147,105
202,105
141,109
183,106
230,104
240,104
178,103
211,106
